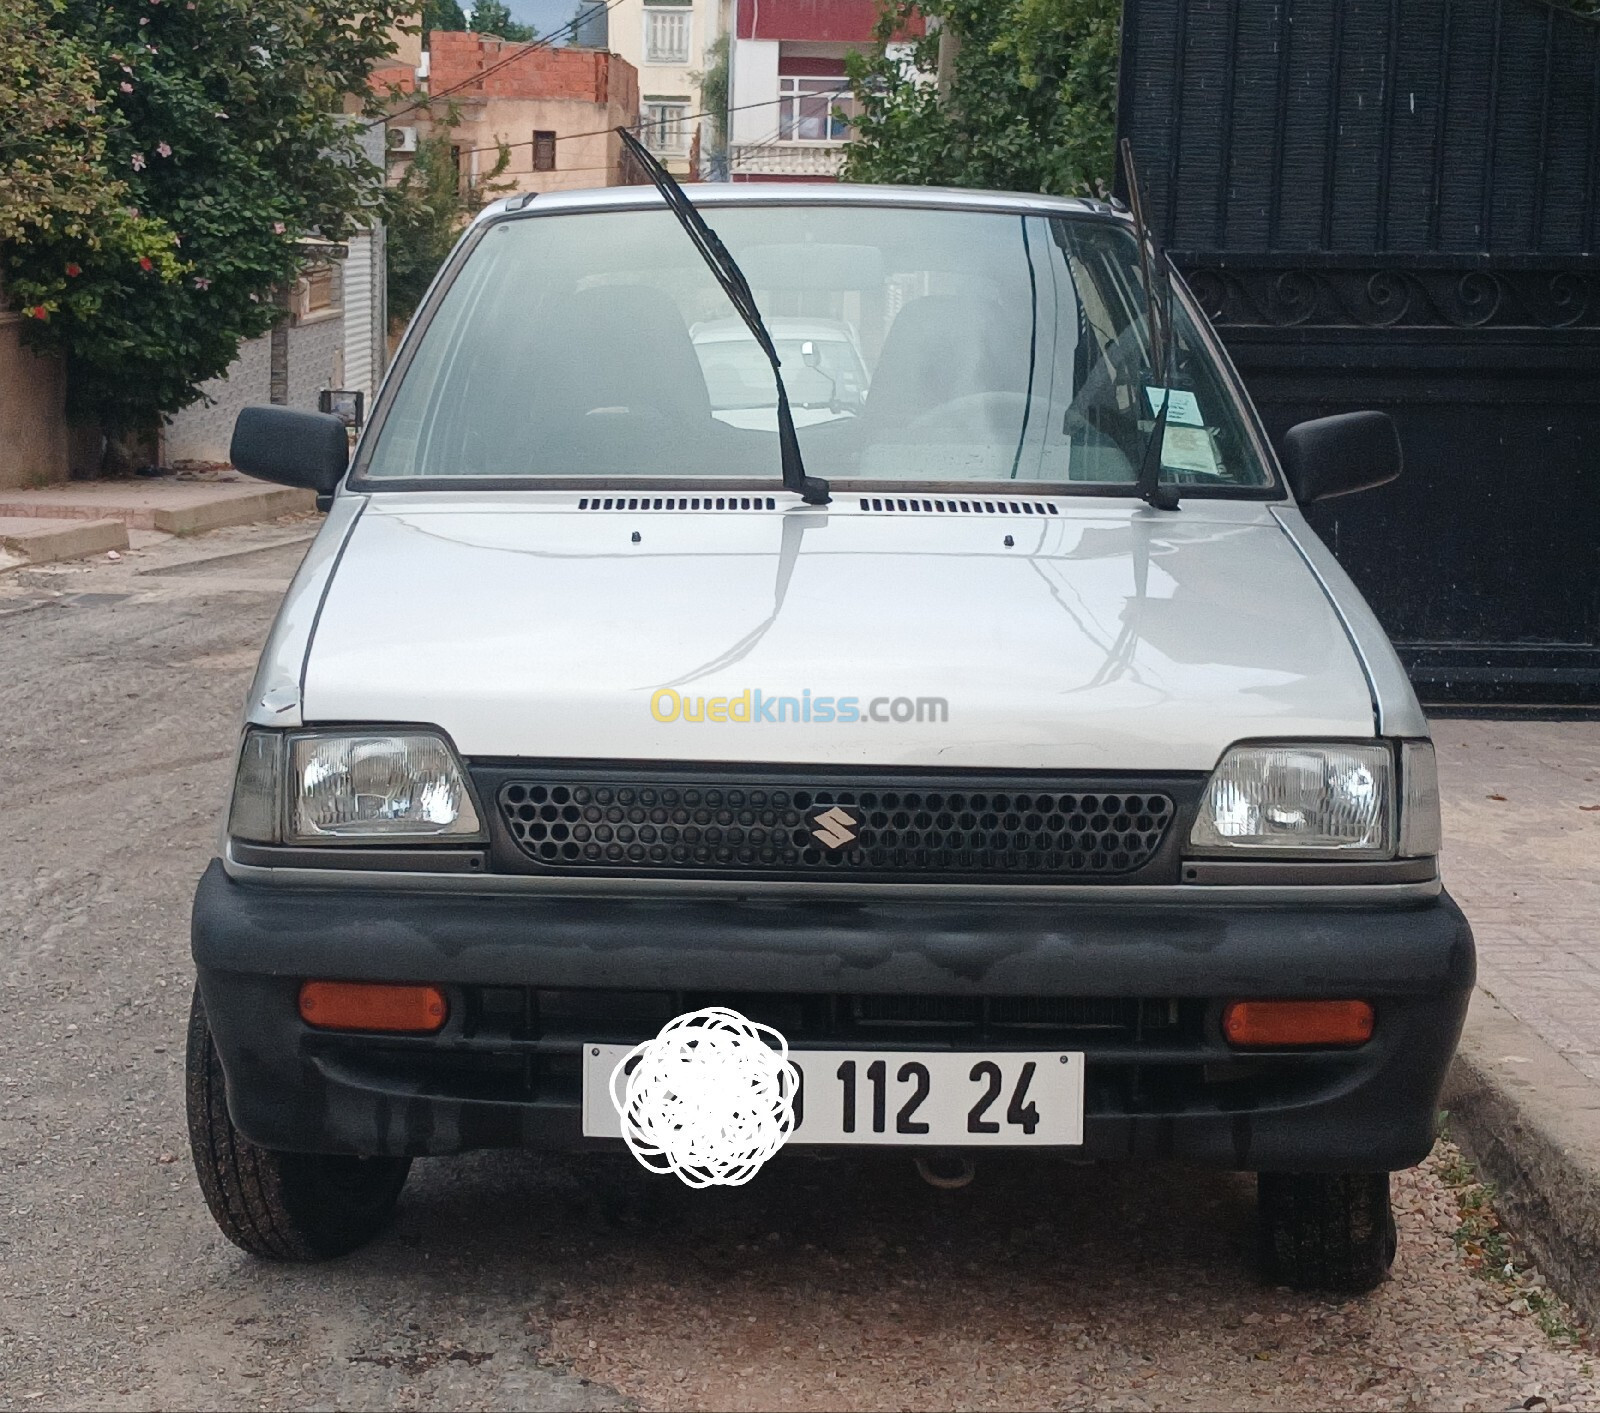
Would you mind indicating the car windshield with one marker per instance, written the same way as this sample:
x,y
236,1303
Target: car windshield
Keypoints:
x,y
820,367
919,346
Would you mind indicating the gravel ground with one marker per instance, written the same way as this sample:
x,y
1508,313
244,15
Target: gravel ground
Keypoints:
x,y
850,1284
574,1283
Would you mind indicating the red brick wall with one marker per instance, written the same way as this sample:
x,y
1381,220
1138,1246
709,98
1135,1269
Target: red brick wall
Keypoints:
x,y
622,84
588,75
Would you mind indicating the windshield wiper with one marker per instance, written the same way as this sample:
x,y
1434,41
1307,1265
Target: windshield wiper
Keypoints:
x,y
811,489
1158,320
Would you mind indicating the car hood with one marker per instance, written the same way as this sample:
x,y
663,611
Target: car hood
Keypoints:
x,y
1102,636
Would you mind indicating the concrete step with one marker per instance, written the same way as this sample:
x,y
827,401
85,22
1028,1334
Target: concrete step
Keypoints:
x,y
34,539
175,507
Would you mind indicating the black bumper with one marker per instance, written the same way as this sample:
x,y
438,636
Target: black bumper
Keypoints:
x,y
531,978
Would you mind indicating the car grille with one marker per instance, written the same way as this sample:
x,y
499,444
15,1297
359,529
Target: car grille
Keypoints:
x,y
560,1018
1029,829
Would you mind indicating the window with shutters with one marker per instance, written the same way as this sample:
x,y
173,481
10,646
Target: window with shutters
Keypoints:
x,y
666,35
544,152
666,127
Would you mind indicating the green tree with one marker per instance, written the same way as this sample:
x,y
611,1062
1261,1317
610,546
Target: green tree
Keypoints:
x,y
1029,106
713,82
494,17
427,209
442,14
222,133
54,182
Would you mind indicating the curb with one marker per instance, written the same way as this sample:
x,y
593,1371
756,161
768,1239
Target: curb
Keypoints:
x,y
235,510
1531,1122
140,508
63,539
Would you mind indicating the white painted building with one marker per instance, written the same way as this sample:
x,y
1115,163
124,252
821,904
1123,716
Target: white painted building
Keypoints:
x,y
790,102
671,43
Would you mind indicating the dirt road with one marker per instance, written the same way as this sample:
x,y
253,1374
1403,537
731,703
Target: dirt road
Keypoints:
x,y
580,1283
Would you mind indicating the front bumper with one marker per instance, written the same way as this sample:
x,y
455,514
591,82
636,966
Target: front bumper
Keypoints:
x,y
530,978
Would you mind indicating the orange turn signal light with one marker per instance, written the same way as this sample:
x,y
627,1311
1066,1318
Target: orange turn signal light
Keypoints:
x,y
1280,1023
361,1005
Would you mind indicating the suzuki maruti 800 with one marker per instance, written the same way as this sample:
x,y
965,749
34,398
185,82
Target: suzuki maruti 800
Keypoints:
x,y
971,703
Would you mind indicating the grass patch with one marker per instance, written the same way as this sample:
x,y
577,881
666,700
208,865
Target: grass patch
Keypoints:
x,y
1493,1253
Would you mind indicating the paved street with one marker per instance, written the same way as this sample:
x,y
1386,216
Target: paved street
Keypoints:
x,y
1522,820
585,1283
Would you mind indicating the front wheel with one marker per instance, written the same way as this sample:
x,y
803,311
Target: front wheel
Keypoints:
x,y
284,1206
1332,1232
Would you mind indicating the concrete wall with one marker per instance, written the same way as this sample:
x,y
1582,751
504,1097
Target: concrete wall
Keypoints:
x,y
593,160
33,424
754,80
202,431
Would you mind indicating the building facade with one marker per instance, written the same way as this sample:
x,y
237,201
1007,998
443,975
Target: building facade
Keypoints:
x,y
554,109
789,102
674,45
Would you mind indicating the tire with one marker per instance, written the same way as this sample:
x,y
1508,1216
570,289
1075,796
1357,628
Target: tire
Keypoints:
x,y
1331,1232
283,1206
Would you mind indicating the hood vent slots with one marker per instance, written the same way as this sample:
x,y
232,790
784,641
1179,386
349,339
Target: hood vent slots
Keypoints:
x,y
896,506
678,503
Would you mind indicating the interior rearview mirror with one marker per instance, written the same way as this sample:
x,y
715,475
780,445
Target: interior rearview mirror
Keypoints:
x,y
291,447
1334,456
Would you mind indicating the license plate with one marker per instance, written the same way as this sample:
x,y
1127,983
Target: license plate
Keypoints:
x,y
1005,1098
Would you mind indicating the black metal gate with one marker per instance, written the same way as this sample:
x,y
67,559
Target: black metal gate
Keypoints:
x,y
1396,204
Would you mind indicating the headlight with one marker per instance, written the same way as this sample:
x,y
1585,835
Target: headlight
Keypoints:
x,y
351,787
1307,799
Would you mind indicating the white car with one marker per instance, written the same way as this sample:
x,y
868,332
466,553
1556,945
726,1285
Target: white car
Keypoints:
x,y
1012,746
830,380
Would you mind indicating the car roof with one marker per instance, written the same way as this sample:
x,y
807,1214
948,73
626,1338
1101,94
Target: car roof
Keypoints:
x,y
715,194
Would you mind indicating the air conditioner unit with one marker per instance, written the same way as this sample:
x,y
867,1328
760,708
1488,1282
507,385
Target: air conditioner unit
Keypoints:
x,y
402,139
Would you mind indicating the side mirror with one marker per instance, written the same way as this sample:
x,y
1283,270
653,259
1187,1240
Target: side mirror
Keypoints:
x,y
291,447
1334,456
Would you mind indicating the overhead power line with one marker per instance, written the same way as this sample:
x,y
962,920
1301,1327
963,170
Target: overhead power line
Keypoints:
x,y
544,42
602,132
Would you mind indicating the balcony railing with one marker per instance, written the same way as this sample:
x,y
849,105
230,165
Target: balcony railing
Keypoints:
x,y
786,159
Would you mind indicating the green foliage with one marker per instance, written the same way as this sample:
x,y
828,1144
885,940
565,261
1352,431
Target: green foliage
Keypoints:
x,y
442,14
426,211
494,17
1031,104
713,83
53,145
220,137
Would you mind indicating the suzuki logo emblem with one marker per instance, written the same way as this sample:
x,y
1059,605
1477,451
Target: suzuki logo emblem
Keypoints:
x,y
834,828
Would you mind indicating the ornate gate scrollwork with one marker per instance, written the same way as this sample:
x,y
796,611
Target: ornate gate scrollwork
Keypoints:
x,y
1392,296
